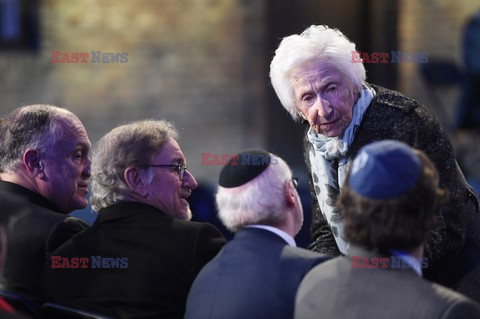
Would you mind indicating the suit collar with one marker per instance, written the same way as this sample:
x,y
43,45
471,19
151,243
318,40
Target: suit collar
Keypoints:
x,y
259,234
355,250
24,194
289,239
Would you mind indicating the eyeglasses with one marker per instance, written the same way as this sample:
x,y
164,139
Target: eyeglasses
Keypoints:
x,y
180,168
295,182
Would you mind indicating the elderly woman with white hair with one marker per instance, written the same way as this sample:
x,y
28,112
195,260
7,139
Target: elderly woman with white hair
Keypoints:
x,y
317,81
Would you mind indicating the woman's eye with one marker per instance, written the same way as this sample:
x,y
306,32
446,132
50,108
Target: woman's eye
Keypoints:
x,y
307,98
331,89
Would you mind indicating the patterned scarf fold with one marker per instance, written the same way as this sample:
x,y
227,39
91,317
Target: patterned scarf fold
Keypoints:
x,y
329,166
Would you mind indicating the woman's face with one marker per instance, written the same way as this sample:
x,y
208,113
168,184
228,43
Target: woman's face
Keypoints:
x,y
324,97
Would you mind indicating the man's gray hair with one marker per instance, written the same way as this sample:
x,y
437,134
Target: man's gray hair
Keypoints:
x,y
38,127
130,144
260,201
315,44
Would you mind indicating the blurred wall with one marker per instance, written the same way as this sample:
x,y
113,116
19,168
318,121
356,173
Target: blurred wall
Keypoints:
x,y
435,27
198,63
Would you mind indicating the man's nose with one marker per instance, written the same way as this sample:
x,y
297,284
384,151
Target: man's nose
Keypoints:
x,y
189,181
87,169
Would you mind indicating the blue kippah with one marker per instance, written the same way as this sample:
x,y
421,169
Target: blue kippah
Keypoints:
x,y
384,170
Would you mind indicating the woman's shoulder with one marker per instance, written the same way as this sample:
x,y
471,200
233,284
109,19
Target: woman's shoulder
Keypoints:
x,y
393,100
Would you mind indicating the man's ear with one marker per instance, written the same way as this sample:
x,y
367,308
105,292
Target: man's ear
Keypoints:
x,y
290,198
135,182
34,165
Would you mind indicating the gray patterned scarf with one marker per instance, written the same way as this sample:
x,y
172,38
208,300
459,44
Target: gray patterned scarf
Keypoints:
x,y
329,166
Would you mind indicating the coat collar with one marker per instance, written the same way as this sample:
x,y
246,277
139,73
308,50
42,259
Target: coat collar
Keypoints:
x,y
259,234
24,194
393,99
127,209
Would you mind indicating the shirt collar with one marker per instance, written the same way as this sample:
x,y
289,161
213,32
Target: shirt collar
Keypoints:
x,y
289,239
413,262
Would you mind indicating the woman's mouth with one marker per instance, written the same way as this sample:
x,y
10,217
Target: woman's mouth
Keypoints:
x,y
327,124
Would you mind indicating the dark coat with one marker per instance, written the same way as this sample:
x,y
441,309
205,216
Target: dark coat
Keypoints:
x,y
35,225
453,249
340,289
161,257
256,275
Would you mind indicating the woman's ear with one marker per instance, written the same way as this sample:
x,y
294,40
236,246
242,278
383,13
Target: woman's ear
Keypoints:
x,y
302,116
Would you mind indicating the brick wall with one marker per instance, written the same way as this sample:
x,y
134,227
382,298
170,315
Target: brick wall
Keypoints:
x,y
197,63
202,64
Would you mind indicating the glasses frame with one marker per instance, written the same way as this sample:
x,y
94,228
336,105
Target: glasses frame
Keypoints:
x,y
181,168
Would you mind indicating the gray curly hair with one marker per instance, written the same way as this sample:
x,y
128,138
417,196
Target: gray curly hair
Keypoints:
x,y
130,144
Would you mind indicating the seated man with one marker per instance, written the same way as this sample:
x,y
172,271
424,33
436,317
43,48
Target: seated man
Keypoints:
x,y
44,167
256,275
388,204
141,255
7,310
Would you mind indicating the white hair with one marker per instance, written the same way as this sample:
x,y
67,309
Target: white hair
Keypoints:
x,y
260,201
315,44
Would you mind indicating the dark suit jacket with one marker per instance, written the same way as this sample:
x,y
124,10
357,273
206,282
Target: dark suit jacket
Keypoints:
x,y
335,289
163,256
453,250
35,225
256,275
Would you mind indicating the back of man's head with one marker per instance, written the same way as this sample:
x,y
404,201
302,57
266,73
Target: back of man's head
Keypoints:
x,y
255,187
390,197
30,127
127,145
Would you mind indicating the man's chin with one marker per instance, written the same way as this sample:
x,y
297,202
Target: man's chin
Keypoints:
x,y
187,215
79,204
183,211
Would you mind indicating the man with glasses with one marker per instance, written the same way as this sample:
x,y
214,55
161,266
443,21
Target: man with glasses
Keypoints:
x,y
142,253
256,275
